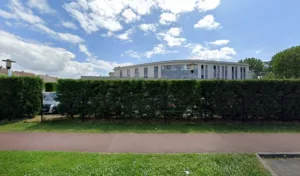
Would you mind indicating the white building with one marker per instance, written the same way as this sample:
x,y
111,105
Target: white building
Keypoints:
x,y
185,69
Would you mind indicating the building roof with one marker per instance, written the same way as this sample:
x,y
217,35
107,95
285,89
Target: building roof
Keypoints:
x,y
45,78
48,79
182,61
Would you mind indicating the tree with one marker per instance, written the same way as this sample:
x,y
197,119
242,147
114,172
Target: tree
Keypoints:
x,y
256,66
286,64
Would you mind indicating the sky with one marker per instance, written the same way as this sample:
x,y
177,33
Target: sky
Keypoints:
x,y
73,38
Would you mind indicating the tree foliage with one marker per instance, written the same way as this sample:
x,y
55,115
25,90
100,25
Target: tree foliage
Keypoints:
x,y
256,66
286,64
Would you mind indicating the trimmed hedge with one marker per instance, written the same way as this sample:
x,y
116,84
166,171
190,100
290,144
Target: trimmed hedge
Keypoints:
x,y
50,87
190,99
19,97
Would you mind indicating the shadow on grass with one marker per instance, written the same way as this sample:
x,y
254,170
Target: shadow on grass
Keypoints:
x,y
74,125
77,126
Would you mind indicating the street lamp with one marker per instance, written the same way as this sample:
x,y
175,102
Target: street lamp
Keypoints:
x,y
8,66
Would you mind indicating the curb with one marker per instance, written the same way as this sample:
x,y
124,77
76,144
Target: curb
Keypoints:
x,y
260,157
279,155
266,166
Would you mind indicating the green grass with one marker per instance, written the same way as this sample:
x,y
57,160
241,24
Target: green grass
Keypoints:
x,y
90,127
59,163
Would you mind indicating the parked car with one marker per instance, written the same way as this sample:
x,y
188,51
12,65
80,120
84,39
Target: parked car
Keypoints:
x,y
50,105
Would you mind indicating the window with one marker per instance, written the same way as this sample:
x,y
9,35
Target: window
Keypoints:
x,y
244,69
226,73
218,72
232,73
128,73
223,72
136,73
235,73
121,73
155,71
241,73
180,71
146,72
215,71
202,71
206,72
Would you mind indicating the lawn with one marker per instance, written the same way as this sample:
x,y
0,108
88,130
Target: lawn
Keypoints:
x,y
59,163
93,127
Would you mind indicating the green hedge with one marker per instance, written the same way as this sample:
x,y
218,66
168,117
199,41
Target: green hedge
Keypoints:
x,y
217,99
50,87
19,97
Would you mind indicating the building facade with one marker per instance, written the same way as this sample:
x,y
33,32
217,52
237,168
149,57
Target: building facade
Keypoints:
x,y
185,69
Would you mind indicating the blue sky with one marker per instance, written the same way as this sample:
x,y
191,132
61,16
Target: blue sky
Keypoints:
x,y
90,37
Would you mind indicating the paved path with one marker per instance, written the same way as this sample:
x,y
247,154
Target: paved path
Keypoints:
x,y
285,167
151,143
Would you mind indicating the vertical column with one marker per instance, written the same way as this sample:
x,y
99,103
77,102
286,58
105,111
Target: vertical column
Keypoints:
x,y
159,71
210,69
199,71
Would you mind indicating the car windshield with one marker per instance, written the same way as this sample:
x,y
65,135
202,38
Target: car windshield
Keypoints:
x,y
49,96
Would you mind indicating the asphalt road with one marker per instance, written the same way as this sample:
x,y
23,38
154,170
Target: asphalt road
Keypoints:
x,y
151,143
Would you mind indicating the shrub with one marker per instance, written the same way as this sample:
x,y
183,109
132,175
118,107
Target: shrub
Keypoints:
x,y
50,87
190,99
19,97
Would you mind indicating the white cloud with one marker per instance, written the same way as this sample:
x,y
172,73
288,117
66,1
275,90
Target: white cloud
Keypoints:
x,y
20,12
84,49
197,48
174,31
125,35
7,15
108,34
142,7
133,54
205,5
43,28
41,5
177,6
258,51
34,56
171,37
167,18
8,23
43,59
122,36
69,25
201,52
130,16
159,49
220,42
147,27
207,22
93,15
70,38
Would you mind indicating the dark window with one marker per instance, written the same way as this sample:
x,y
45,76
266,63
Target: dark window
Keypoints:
x,y
202,71
146,72
206,72
121,73
215,71
155,71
